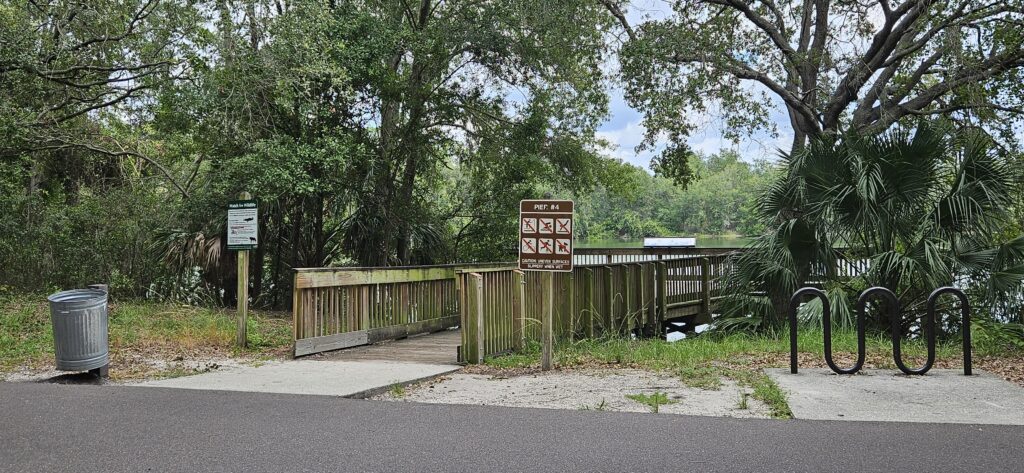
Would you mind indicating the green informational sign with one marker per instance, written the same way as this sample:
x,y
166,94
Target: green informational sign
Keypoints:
x,y
243,225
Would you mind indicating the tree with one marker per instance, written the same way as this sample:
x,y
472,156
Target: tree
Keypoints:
x,y
71,73
443,79
835,66
926,208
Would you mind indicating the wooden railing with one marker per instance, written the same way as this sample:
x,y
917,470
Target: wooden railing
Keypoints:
x,y
336,308
587,256
501,308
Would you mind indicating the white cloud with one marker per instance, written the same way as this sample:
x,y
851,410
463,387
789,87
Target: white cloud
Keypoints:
x,y
623,142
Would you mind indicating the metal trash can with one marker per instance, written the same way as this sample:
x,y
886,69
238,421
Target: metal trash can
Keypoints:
x,y
79,319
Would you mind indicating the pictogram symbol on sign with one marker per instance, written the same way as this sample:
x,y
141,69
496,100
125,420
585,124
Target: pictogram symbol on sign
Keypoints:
x,y
563,226
545,235
529,245
529,225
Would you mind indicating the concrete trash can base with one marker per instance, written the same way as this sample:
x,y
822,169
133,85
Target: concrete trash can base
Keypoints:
x,y
79,319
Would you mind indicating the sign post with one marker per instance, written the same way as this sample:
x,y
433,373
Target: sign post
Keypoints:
x,y
243,235
545,244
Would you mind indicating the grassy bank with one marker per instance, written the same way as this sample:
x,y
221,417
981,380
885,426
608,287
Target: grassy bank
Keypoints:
x,y
703,361
146,339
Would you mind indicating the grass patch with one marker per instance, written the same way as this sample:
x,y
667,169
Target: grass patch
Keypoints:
x,y
601,406
154,330
766,391
743,405
397,391
703,361
653,401
701,377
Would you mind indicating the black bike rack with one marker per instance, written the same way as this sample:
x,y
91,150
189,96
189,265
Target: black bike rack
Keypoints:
x,y
893,306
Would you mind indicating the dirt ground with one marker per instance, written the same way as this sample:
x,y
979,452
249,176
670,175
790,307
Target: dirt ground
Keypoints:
x,y
586,389
139,368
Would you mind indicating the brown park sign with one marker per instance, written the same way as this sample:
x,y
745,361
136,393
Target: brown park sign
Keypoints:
x,y
545,235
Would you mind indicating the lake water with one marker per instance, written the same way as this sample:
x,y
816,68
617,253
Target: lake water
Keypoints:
x,y
702,242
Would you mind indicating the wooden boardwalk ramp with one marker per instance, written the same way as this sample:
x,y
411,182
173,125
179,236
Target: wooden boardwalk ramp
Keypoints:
x,y
433,348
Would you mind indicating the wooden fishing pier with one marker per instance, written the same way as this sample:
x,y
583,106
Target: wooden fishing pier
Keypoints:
x,y
642,291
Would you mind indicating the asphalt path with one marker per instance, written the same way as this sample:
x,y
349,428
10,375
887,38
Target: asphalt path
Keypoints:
x,y
55,428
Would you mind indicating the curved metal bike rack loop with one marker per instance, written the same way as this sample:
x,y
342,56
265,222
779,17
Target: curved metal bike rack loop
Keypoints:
x,y
896,331
826,323
965,317
893,307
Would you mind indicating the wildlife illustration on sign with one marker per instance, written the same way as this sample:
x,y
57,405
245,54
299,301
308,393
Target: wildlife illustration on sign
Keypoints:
x,y
243,225
545,235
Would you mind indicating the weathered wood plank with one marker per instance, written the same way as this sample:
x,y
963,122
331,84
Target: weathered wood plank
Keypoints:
x,y
465,350
309,346
705,272
296,310
588,302
609,295
401,331
477,283
356,277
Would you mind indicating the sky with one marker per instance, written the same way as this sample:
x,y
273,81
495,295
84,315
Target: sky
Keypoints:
x,y
625,130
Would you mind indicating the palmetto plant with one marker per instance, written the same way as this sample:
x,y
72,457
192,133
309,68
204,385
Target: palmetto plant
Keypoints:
x,y
923,206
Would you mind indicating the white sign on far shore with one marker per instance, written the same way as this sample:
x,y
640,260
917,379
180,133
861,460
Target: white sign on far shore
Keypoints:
x,y
670,242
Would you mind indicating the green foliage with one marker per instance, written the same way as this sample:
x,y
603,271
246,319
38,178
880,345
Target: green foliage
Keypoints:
x,y
56,240
720,201
372,133
994,336
674,163
137,328
742,62
923,207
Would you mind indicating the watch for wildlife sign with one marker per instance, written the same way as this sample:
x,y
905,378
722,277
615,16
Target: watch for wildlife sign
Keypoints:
x,y
545,235
243,225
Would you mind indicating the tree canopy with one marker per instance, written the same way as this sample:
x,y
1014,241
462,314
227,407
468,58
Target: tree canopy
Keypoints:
x,y
830,66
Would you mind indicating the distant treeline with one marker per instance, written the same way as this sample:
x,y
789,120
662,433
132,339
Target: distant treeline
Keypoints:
x,y
720,201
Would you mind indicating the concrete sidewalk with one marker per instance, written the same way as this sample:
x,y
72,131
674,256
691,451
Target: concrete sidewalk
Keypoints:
x,y
943,396
354,379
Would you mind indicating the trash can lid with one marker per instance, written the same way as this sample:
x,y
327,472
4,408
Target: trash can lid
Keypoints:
x,y
78,296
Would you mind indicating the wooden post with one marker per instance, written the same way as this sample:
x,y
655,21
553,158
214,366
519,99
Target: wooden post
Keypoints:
x,y
296,311
549,307
364,315
627,299
518,296
478,284
462,296
609,294
651,281
569,304
588,304
705,299
662,298
243,288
